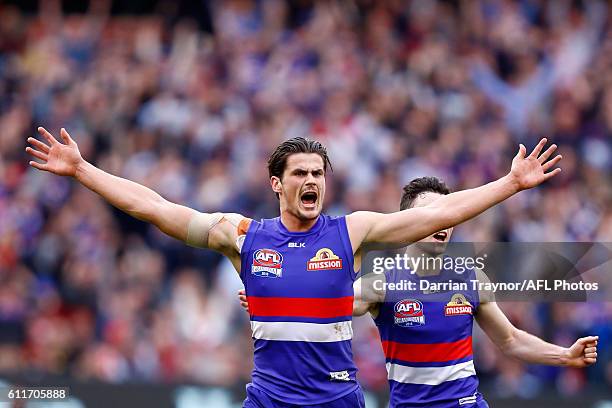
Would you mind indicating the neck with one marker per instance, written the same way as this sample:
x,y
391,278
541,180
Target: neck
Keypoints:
x,y
422,263
295,224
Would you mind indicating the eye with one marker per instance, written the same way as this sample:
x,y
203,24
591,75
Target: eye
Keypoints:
x,y
317,173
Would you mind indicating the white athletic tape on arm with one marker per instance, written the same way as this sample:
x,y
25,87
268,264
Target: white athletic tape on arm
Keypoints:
x,y
199,227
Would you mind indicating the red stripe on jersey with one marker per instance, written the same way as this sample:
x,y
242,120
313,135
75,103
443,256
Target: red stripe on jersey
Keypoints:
x,y
300,307
428,353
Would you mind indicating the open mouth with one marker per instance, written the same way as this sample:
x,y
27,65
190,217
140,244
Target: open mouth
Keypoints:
x,y
440,236
309,198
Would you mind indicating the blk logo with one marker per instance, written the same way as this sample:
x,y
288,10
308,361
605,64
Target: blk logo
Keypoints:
x,y
297,245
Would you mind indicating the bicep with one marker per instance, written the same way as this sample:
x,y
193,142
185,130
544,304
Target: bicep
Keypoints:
x,y
173,219
402,227
215,231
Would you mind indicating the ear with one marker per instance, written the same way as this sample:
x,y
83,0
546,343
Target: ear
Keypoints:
x,y
276,184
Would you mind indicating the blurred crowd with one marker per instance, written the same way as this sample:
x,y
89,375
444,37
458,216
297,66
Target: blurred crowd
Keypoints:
x,y
395,89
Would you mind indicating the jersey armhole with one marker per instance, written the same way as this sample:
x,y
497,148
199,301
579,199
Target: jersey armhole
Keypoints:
x,y
241,230
348,249
476,292
246,228
243,226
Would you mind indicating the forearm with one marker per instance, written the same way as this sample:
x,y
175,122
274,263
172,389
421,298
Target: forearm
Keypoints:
x,y
458,207
413,224
531,349
64,159
135,199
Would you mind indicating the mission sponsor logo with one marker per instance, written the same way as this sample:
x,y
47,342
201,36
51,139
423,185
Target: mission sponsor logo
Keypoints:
x,y
408,313
458,305
323,260
267,263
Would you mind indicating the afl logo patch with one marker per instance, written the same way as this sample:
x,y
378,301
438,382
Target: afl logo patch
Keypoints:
x,y
267,263
324,259
408,313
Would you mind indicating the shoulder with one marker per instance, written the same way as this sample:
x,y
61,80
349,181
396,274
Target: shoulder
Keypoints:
x,y
360,216
484,291
242,223
359,224
332,220
227,230
234,224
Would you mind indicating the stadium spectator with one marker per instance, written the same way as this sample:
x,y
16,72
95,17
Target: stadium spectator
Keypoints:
x,y
404,88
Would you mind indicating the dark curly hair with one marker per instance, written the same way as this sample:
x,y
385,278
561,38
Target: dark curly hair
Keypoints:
x,y
422,185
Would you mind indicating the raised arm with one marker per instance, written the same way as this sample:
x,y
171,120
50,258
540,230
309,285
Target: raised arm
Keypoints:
x,y
413,224
215,231
529,348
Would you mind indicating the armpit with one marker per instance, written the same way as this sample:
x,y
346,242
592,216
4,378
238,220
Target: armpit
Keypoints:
x,y
240,225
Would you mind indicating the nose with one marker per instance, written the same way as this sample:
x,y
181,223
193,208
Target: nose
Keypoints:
x,y
310,179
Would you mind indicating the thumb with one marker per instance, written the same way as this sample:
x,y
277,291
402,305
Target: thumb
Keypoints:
x,y
522,152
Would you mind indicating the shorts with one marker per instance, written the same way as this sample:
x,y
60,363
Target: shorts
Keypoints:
x,y
482,404
479,403
259,399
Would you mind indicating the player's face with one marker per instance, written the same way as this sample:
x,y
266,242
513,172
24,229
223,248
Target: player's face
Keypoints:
x,y
436,243
302,187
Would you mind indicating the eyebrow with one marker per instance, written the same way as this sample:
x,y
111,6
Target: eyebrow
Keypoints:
x,y
320,169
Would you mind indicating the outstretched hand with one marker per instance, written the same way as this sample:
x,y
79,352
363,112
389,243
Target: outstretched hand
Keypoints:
x,y
583,352
58,158
533,170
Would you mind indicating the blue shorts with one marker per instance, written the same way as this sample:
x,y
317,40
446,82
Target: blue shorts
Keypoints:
x,y
259,399
479,403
